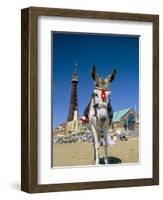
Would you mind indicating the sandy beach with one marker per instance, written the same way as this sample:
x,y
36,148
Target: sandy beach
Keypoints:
x,y
81,153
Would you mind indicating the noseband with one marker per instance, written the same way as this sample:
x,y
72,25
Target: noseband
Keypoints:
x,y
103,93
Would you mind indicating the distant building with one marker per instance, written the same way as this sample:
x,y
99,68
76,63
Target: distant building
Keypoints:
x,y
127,119
71,127
75,127
60,130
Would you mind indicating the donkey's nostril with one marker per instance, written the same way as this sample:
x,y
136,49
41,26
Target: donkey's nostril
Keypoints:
x,y
103,118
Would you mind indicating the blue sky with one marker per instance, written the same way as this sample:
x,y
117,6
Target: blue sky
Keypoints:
x,y
106,52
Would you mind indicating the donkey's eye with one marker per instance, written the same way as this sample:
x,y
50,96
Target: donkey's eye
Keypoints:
x,y
95,94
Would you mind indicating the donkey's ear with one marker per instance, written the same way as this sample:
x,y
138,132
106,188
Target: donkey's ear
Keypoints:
x,y
111,77
93,73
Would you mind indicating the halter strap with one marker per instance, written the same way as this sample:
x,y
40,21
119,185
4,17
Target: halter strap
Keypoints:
x,y
102,89
103,92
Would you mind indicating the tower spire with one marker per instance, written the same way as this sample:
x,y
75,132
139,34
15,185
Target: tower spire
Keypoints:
x,y
75,74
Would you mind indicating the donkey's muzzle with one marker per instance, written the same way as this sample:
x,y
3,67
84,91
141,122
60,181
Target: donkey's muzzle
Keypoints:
x,y
103,118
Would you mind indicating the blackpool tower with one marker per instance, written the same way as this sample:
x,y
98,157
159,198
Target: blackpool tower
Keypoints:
x,y
73,107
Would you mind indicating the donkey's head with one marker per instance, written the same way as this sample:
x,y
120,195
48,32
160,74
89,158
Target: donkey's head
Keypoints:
x,y
101,94
100,82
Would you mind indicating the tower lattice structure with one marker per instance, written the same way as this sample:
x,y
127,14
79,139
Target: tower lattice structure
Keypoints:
x,y
74,97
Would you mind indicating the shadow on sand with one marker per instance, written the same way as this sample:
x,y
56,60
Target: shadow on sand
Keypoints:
x,y
111,160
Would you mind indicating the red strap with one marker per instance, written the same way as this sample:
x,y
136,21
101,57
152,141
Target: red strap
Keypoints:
x,y
103,95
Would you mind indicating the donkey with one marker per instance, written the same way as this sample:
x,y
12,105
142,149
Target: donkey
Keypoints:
x,y
98,114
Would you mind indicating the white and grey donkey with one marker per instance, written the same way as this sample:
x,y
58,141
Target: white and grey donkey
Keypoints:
x,y
100,112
